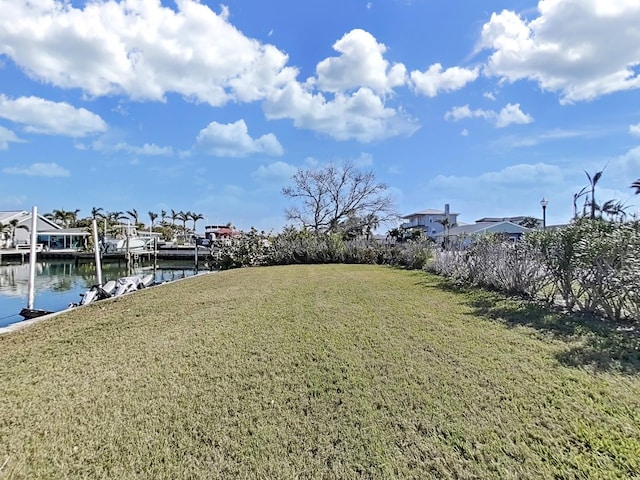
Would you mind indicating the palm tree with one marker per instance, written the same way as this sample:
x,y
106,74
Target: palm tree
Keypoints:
x,y
134,216
61,217
95,213
446,225
183,217
152,216
614,209
195,217
113,218
174,216
73,217
163,215
14,226
5,230
576,196
636,185
592,184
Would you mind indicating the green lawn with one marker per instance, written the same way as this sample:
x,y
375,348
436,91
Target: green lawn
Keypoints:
x,y
329,371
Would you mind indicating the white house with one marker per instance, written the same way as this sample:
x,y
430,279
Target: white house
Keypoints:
x,y
431,222
51,235
462,235
22,221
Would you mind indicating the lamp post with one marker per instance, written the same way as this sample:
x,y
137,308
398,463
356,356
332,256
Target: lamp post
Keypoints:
x,y
544,202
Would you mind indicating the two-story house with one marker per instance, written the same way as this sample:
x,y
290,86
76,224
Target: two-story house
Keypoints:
x,y
431,222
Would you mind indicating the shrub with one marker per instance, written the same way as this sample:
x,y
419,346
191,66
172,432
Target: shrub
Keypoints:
x,y
590,266
302,247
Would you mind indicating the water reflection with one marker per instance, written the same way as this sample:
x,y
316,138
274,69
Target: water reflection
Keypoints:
x,y
60,282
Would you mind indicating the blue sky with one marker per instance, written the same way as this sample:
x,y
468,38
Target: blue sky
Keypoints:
x,y
210,107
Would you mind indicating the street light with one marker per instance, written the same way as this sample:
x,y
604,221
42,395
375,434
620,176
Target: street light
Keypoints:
x,y
544,202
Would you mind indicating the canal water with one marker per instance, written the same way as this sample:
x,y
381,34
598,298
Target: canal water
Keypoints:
x,y
59,283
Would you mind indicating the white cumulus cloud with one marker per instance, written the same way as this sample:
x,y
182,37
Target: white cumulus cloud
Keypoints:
x,y
361,65
512,114
635,130
7,136
38,115
580,48
141,49
38,170
276,173
145,50
233,140
360,116
458,113
435,80
148,149
509,114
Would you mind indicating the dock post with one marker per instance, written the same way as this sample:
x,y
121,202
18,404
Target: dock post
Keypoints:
x,y
96,251
32,257
196,259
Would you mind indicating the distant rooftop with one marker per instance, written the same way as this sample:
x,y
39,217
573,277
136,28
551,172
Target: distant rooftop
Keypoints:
x,y
481,226
429,211
517,219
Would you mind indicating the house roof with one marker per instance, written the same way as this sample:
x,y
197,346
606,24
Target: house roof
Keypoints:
x,y
517,219
23,217
7,216
486,226
231,232
429,211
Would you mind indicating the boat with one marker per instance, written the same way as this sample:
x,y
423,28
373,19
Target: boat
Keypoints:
x,y
115,288
29,313
127,238
97,292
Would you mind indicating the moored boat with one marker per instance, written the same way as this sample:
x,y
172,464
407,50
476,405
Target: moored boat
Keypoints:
x,y
29,313
127,238
115,288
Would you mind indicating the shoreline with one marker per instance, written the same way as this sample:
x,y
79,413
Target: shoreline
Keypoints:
x,y
21,324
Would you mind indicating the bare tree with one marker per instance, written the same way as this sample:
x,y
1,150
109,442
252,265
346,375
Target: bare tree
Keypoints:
x,y
331,195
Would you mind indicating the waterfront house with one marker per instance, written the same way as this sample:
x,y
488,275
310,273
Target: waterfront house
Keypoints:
x,y
68,239
11,238
51,235
431,222
461,236
217,232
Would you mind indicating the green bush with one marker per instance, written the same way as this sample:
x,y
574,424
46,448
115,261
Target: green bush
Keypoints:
x,y
302,247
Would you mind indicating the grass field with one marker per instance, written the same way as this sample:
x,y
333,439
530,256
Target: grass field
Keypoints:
x,y
330,371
